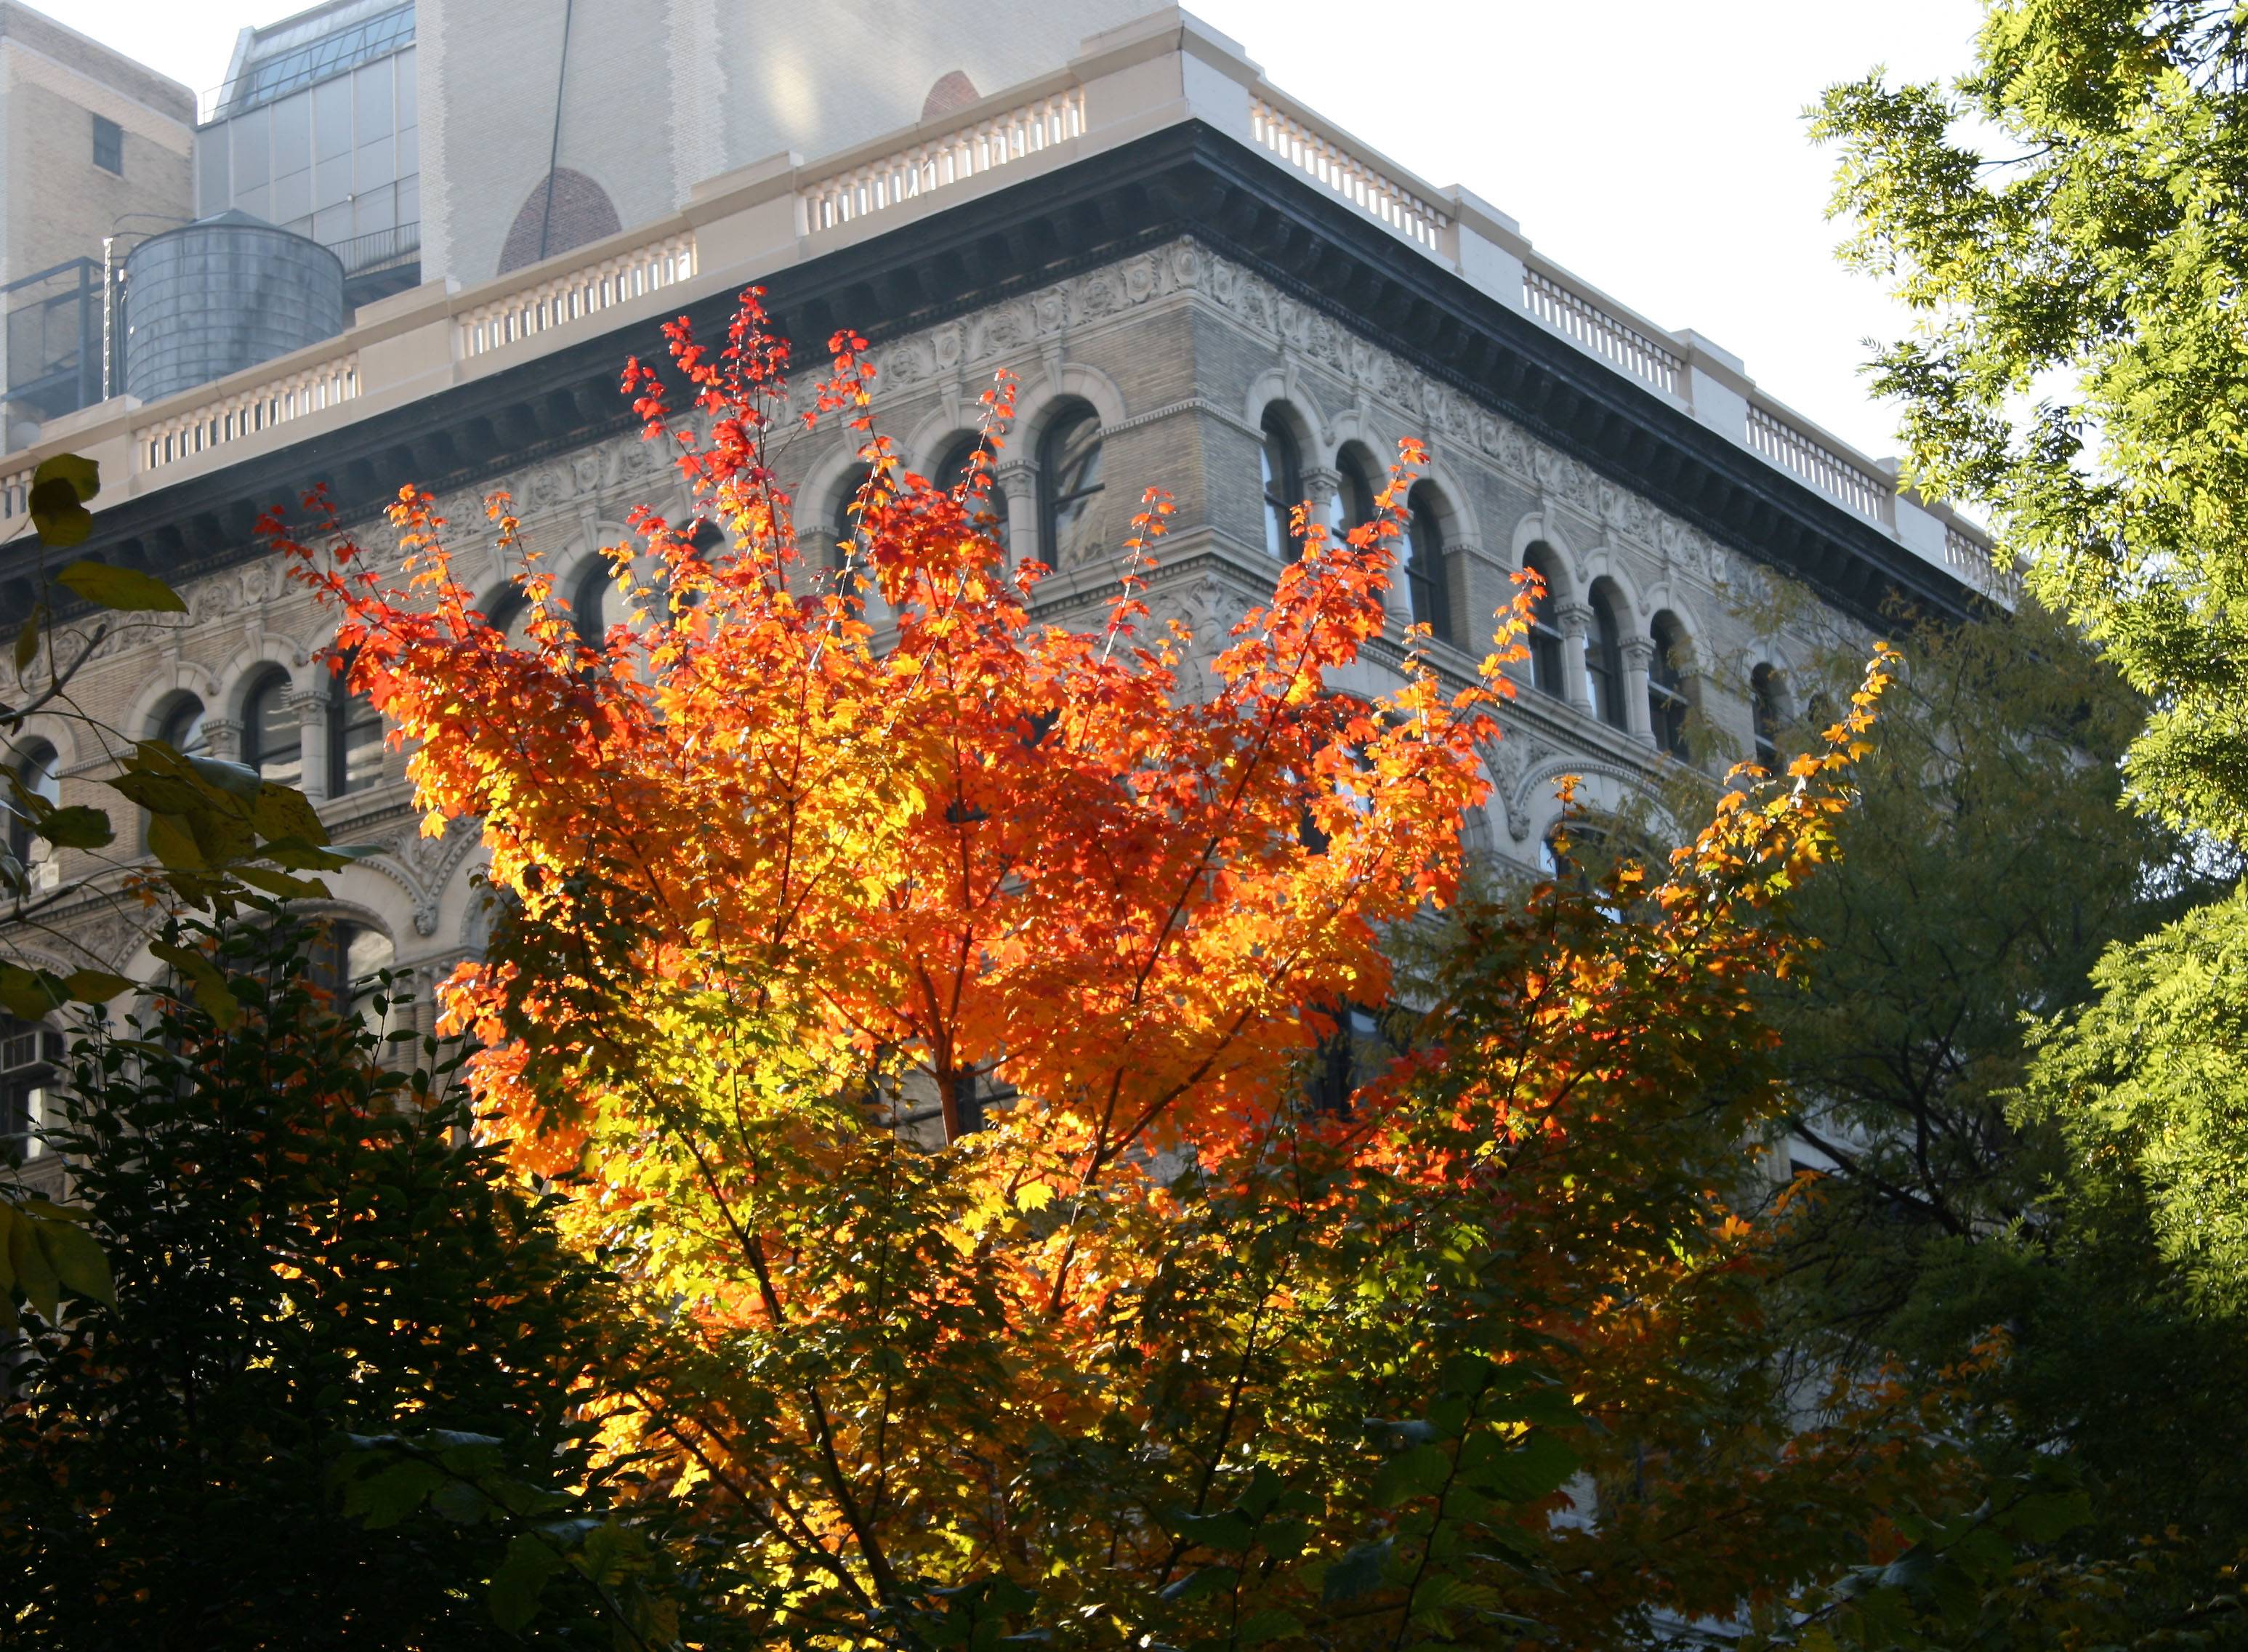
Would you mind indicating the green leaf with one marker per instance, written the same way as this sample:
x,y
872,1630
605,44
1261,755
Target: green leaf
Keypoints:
x,y
1417,1473
1227,1533
461,1502
1203,1579
1270,1624
282,813
281,884
57,515
235,779
25,995
523,1575
77,826
27,640
386,1499
174,845
78,1261
9,1217
1537,1469
158,793
207,985
94,986
1548,1406
127,590
1357,1572
83,475
34,1272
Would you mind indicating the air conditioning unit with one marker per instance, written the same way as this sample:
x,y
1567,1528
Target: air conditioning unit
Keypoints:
x,y
39,1047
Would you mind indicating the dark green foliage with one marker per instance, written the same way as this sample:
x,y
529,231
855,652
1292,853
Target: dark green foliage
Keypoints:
x,y
339,1404
1988,867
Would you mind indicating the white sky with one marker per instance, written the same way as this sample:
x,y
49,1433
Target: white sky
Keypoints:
x,y
1653,147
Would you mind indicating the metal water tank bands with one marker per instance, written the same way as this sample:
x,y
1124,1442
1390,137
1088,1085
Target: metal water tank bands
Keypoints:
x,y
222,294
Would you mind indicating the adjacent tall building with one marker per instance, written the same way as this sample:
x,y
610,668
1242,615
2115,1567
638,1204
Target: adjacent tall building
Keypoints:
x,y
1199,283
94,149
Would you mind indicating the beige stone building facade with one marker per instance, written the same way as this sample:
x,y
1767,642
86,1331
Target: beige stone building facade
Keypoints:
x,y
1199,286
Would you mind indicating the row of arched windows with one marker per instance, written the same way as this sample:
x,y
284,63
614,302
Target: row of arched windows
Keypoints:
x,y
1068,453
1669,703
272,743
1280,462
1070,481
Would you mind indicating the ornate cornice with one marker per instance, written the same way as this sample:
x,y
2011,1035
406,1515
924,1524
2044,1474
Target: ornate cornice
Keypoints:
x,y
1333,275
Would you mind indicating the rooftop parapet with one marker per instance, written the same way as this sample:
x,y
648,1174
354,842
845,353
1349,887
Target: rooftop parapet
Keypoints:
x,y
1167,70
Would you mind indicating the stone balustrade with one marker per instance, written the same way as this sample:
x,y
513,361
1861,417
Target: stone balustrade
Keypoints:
x,y
747,225
235,414
583,290
924,166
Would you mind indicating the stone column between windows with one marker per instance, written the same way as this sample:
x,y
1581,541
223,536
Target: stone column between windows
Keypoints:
x,y
222,738
1575,620
1638,656
311,709
1018,480
1319,489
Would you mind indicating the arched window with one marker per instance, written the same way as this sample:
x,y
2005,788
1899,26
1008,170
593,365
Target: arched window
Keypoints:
x,y
1764,712
344,955
1546,671
34,773
847,546
589,600
354,737
178,725
1069,480
181,725
1424,563
1604,658
272,734
990,512
506,612
1353,505
1283,476
1667,704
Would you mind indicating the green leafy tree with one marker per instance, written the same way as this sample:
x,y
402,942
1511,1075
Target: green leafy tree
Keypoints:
x,y
340,1399
2070,223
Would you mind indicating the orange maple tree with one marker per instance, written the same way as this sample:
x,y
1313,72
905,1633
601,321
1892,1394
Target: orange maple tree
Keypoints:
x,y
1163,1354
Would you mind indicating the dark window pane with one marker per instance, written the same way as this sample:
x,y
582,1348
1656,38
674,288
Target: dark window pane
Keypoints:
x,y
182,726
1763,708
952,472
35,775
273,732
1667,703
1547,673
1353,500
1604,660
1069,480
1424,565
1283,487
108,146
589,606
354,737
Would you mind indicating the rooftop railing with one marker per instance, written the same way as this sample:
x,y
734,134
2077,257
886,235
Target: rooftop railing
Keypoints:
x,y
922,168
1299,139
1573,314
576,293
1791,448
229,417
1166,68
